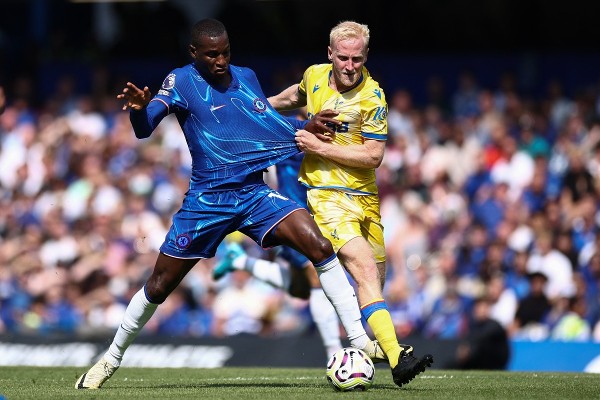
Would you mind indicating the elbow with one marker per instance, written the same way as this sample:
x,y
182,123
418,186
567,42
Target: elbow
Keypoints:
x,y
376,161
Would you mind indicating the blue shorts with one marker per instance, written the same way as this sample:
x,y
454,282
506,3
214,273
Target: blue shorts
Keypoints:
x,y
205,218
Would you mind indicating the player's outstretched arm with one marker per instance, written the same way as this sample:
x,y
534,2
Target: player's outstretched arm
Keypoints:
x,y
288,99
135,98
144,117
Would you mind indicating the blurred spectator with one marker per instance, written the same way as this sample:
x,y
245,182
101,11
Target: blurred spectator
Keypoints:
x,y
490,205
400,119
590,274
545,258
516,274
571,325
532,310
513,167
486,345
448,318
560,106
489,117
483,191
465,100
240,308
502,300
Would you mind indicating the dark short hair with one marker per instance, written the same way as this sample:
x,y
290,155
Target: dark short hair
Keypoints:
x,y
207,28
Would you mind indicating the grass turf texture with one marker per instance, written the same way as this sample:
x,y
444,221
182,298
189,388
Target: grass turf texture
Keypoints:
x,y
278,383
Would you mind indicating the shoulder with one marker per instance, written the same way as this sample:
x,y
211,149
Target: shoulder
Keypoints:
x,y
242,71
177,74
317,70
371,89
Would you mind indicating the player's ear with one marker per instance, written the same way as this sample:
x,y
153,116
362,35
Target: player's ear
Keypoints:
x,y
329,53
192,50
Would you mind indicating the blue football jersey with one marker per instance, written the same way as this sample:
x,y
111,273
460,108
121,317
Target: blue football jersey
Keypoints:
x,y
233,134
287,179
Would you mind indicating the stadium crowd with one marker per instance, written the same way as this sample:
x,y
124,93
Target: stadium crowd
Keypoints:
x,y
486,194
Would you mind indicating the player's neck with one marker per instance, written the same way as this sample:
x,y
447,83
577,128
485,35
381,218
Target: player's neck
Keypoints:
x,y
217,81
332,83
221,82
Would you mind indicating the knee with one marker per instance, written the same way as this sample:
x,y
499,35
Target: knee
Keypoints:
x,y
320,249
155,292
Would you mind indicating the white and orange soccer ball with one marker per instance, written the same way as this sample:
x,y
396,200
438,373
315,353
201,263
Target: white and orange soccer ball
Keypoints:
x,y
350,369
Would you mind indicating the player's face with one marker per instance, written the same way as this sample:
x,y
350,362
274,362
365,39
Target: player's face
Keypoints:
x,y
348,57
212,56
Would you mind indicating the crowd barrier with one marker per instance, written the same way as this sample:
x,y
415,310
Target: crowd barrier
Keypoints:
x,y
248,350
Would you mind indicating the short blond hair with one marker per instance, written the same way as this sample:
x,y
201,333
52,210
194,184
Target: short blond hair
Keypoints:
x,y
349,30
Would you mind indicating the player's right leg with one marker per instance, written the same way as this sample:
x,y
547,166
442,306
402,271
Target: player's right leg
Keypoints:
x,y
167,274
184,245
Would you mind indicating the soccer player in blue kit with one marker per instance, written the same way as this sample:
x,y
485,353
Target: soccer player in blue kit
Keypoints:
x,y
233,135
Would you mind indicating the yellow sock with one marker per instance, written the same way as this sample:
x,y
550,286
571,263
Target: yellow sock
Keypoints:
x,y
383,328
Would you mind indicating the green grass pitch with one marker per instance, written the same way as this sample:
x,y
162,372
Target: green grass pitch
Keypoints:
x,y
286,383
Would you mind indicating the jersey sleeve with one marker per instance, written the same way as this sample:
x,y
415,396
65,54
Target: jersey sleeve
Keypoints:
x,y
167,100
297,123
374,115
172,91
304,81
147,119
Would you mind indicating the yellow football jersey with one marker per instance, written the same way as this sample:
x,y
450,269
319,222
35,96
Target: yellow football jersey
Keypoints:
x,y
363,112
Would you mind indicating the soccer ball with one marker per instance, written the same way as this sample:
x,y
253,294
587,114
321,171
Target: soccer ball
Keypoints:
x,y
350,369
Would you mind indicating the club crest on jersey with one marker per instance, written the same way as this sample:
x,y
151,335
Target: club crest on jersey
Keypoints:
x,y
169,82
183,241
259,105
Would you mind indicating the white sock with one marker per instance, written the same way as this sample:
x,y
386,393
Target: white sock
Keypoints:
x,y
270,272
326,320
341,295
240,262
138,312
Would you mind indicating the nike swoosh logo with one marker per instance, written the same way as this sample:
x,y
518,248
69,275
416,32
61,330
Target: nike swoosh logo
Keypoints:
x,y
214,108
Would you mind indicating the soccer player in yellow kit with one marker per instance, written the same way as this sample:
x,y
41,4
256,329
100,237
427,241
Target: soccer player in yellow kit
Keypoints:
x,y
340,177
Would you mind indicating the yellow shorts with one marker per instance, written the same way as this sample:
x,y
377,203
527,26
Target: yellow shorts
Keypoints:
x,y
343,216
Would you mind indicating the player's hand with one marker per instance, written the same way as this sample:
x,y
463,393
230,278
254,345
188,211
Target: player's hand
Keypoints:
x,y
323,125
135,98
308,142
